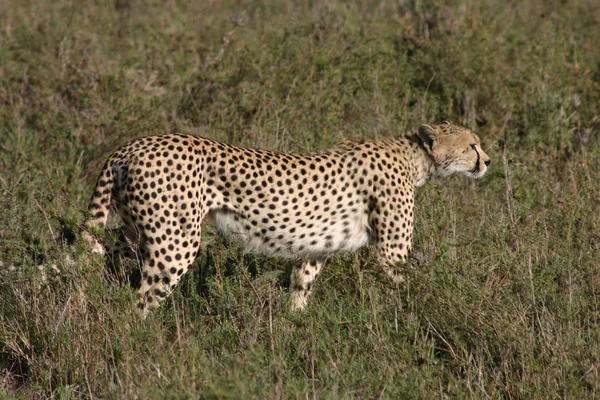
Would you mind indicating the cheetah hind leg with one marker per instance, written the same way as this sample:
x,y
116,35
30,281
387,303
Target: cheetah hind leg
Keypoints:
x,y
302,281
162,270
93,243
127,246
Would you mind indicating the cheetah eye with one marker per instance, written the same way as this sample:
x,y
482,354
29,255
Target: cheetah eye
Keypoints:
x,y
473,146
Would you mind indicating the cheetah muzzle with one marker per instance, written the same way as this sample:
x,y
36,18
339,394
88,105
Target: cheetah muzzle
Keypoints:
x,y
304,206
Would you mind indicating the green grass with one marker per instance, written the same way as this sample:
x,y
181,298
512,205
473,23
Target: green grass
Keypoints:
x,y
504,302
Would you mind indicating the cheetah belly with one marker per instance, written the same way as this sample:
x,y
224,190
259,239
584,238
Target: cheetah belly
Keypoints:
x,y
315,240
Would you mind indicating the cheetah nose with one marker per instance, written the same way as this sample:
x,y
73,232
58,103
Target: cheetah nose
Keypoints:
x,y
487,162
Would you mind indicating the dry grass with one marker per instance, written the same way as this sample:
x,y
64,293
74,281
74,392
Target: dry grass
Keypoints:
x,y
504,301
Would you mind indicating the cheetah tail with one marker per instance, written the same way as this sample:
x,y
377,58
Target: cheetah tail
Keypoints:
x,y
98,208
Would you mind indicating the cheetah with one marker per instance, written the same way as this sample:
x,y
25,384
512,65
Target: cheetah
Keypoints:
x,y
301,206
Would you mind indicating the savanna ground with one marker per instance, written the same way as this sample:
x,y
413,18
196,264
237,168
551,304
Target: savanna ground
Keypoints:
x,y
503,301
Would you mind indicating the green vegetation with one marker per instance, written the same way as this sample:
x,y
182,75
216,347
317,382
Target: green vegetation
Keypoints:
x,y
504,300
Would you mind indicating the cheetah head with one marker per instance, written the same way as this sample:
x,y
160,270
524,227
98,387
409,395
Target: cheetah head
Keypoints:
x,y
454,149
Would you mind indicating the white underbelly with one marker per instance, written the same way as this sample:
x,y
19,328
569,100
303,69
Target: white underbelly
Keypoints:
x,y
314,239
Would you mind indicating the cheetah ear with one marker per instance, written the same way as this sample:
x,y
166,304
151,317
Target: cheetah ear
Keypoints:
x,y
429,136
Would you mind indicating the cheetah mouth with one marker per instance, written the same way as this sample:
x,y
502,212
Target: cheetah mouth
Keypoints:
x,y
476,171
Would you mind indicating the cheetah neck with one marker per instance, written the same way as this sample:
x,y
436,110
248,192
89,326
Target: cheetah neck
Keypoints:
x,y
423,164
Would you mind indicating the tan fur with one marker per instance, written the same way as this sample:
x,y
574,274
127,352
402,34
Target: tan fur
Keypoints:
x,y
304,206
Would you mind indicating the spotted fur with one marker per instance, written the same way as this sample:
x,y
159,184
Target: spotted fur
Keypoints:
x,y
303,206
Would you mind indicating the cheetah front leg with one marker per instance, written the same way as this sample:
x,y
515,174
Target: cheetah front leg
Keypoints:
x,y
392,225
301,282
392,256
391,267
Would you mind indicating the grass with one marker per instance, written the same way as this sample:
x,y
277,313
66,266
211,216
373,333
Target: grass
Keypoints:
x,y
503,301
